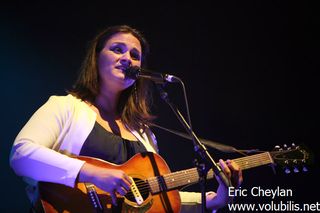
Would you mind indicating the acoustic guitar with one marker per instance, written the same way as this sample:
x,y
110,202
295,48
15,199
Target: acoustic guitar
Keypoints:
x,y
154,188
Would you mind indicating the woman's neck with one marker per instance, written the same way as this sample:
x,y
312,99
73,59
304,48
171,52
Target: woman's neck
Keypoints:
x,y
107,103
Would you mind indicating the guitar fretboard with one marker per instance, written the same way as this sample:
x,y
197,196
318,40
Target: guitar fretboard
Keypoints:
x,y
190,176
252,161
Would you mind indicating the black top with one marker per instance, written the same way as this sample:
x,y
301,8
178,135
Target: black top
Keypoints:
x,y
110,147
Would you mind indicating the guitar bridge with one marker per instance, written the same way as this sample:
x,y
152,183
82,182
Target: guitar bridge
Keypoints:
x,y
93,196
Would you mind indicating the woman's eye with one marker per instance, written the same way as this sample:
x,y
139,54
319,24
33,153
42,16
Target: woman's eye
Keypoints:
x,y
116,49
135,56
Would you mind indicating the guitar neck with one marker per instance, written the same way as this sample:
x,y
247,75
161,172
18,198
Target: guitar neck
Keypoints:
x,y
252,161
189,176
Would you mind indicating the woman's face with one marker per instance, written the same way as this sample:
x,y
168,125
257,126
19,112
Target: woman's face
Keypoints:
x,y
120,51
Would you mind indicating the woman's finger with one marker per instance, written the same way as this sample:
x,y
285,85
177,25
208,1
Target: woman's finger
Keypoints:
x,y
114,197
225,168
122,191
236,172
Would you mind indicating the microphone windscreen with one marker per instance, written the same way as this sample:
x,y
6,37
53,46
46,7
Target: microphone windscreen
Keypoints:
x,y
132,72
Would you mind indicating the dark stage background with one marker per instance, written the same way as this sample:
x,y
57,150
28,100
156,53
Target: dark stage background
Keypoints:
x,y
249,70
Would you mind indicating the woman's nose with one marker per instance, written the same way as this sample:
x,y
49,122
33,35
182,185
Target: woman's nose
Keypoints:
x,y
126,60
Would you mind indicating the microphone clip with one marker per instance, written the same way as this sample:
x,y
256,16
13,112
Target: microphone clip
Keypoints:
x,y
135,72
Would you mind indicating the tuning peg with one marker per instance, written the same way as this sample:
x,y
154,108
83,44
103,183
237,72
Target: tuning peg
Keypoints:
x,y
304,169
277,148
287,170
295,167
286,167
293,145
285,147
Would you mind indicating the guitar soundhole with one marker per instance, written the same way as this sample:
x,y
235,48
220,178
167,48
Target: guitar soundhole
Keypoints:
x,y
143,189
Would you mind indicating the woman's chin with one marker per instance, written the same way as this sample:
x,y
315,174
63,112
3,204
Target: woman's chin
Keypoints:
x,y
128,82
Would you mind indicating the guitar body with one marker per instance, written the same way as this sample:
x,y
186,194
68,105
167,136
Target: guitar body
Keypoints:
x,y
152,179
56,198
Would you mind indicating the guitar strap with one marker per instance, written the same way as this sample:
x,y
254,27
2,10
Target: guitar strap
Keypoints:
x,y
163,195
146,138
152,139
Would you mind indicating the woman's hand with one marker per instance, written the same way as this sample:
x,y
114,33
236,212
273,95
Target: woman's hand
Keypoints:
x,y
109,180
221,198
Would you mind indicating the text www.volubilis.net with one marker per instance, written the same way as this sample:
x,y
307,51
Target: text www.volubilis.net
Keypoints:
x,y
281,206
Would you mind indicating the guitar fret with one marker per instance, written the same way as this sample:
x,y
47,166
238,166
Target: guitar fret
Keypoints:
x,y
189,176
154,185
181,178
253,161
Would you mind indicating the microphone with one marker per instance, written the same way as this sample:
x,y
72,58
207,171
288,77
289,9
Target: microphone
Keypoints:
x,y
135,72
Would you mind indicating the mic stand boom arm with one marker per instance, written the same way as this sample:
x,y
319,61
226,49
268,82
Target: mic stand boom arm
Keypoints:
x,y
200,149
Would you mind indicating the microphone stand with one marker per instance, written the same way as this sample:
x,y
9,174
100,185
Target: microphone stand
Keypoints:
x,y
206,161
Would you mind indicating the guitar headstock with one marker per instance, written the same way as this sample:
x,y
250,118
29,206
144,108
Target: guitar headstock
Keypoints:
x,y
292,158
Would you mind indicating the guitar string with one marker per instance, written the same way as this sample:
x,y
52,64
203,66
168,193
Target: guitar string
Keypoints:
x,y
182,177
154,183
256,160
244,165
253,156
154,186
248,162
189,173
187,176
259,157
192,175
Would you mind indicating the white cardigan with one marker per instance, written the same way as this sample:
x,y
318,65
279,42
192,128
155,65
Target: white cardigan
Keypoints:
x,y
58,129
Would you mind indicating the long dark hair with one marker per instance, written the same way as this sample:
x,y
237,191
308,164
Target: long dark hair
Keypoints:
x,y
135,101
